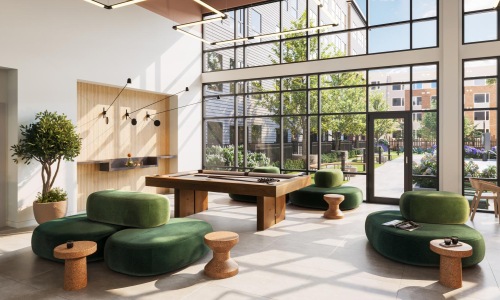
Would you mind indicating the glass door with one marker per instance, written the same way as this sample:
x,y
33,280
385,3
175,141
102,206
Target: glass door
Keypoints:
x,y
389,159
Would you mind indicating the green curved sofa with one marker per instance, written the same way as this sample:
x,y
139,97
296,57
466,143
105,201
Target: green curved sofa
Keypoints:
x,y
327,181
253,199
439,214
133,232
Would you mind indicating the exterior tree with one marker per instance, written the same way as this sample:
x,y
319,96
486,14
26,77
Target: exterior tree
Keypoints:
x,y
382,127
429,124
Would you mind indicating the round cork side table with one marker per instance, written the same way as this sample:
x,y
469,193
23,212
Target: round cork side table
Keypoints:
x,y
450,262
222,265
75,263
333,211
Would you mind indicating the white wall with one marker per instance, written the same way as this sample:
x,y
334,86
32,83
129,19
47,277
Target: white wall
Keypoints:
x,y
55,43
3,150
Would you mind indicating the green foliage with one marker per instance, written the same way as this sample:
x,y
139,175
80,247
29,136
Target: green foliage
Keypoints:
x,y
427,166
489,172
471,169
49,140
54,195
295,164
217,156
429,128
329,157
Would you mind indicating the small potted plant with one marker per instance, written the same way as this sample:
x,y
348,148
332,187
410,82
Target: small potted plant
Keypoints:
x,y
49,140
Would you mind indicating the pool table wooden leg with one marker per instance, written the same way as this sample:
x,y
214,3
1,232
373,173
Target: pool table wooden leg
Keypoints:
x,y
270,211
189,202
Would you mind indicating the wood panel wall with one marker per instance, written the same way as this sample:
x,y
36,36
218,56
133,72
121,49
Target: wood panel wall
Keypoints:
x,y
117,138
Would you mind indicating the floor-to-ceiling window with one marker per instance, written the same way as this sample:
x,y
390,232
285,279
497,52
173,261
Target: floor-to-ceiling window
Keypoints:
x,y
313,121
480,21
480,125
360,27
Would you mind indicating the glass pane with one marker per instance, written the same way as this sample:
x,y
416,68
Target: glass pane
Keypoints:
x,y
219,151
313,48
389,97
263,19
480,93
425,97
294,50
378,41
424,34
263,85
358,43
294,83
313,102
262,55
424,9
388,157
239,104
294,103
263,104
293,15
343,79
424,165
383,11
294,143
313,81
473,5
480,27
480,68
389,75
223,107
333,45
313,138
343,100
239,58
263,142
427,72
218,88
218,30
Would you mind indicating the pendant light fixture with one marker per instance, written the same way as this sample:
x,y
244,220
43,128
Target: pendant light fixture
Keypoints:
x,y
117,5
133,121
104,110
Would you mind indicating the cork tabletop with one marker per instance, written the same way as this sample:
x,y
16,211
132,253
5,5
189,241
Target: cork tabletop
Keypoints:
x,y
221,236
460,251
80,249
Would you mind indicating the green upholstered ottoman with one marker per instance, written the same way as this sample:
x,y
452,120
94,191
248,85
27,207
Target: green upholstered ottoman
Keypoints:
x,y
312,197
328,178
412,247
253,199
438,207
152,251
78,228
131,209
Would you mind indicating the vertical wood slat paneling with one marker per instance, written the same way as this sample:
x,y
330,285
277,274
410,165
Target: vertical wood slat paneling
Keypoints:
x,y
101,141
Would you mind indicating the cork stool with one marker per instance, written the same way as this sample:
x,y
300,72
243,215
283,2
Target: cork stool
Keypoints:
x,y
75,263
222,265
450,262
333,211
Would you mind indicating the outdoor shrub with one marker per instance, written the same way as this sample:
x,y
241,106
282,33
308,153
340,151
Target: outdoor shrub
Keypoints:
x,y
329,157
427,166
489,172
224,156
471,169
295,164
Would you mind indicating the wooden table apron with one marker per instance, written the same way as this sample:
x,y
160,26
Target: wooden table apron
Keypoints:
x,y
191,194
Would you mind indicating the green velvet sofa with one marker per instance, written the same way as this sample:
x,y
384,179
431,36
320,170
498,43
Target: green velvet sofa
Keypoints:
x,y
327,181
253,199
439,214
133,232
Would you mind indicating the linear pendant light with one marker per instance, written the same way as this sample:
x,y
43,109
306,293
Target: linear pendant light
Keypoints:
x,y
192,35
117,5
219,13
197,22
495,3
274,34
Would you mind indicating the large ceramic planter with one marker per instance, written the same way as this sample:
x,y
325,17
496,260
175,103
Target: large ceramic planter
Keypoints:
x,y
49,211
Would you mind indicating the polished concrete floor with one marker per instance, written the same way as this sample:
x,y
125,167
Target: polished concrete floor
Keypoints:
x,y
303,257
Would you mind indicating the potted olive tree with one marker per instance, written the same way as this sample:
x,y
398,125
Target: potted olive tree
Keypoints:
x,y
49,140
